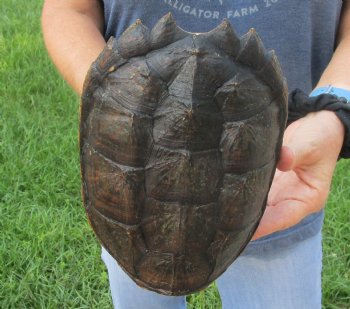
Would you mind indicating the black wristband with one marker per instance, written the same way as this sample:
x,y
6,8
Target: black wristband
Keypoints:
x,y
300,104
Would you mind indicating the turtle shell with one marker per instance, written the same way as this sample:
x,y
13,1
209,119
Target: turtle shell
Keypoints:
x,y
179,137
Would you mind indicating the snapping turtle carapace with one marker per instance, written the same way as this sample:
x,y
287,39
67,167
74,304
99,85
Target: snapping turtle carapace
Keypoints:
x,y
179,136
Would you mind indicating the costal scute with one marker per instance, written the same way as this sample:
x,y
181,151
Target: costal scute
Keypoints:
x,y
179,136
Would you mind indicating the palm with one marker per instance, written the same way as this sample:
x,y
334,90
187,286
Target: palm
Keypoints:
x,y
301,186
290,200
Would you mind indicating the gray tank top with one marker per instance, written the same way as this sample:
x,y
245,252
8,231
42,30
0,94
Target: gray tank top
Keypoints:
x,y
302,32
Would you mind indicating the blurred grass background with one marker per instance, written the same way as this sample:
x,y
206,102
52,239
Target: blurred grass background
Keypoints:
x,y
49,257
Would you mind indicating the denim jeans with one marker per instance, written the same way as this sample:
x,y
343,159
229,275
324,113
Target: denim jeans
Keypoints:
x,y
282,270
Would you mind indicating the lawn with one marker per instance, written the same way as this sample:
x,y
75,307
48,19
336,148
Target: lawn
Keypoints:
x,y
49,257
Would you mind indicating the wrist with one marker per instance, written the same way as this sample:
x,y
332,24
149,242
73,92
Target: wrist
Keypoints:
x,y
316,137
341,93
300,105
334,132
342,113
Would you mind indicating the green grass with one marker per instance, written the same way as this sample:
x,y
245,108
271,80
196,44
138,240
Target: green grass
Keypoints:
x,y
336,270
49,257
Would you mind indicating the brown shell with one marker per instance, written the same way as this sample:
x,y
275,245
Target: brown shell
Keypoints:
x,y
179,136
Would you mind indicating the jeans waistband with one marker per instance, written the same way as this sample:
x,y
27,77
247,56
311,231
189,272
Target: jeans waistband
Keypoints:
x,y
308,227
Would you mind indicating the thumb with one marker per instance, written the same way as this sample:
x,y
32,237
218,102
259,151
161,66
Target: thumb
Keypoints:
x,y
300,146
295,155
286,159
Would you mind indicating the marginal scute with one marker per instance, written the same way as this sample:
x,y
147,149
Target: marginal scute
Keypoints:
x,y
252,53
99,70
166,32
135,41
183,273
157,268
110,59
224,38
225,248
271,74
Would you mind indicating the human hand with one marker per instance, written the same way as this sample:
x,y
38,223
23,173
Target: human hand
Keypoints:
x,y
305,169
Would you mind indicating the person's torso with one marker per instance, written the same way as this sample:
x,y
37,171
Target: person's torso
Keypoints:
x,y
302,32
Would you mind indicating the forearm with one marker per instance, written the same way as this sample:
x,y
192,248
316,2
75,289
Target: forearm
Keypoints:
x,y
337,72
337,75
73,37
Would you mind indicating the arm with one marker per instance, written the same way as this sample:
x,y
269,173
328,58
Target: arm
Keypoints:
x,y
73,36
310,152
337,73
